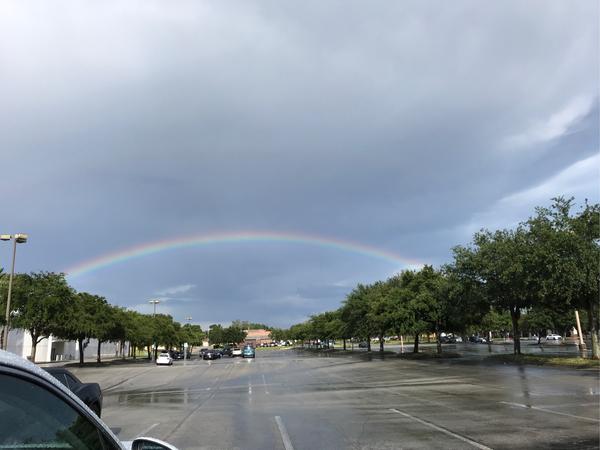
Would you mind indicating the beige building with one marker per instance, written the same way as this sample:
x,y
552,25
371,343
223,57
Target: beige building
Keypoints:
x,y
257,337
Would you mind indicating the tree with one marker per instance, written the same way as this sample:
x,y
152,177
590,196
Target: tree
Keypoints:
x,y
192,334
215,334
41,304
567,255
501,263
354,313
233,334
108,324
80,321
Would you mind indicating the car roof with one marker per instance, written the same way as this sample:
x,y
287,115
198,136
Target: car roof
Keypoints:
x,y
14,361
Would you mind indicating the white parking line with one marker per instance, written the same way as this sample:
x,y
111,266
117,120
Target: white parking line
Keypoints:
x,y
265,384
285,437
147,430
537,408
443,430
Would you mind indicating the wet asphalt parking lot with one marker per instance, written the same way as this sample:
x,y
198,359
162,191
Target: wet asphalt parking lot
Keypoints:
x,y
291,399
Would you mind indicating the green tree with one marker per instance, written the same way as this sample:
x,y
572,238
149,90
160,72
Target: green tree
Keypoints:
x,y
503,266
108,326
233,334
568,255
215,334
80,321
354,313
41,302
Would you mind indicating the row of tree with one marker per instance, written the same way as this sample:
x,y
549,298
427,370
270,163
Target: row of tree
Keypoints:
x,y
44,304
528,279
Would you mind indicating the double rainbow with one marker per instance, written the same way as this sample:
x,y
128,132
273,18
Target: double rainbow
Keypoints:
x,y
150,248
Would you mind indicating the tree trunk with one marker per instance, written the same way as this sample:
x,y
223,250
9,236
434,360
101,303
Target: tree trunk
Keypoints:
x,y
149,352
416,346
344,341
81,350
381,343
438,339
593,331
34,343
368,343
98,359
515,314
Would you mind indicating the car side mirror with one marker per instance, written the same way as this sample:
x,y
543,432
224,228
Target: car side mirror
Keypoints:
x,y
147,443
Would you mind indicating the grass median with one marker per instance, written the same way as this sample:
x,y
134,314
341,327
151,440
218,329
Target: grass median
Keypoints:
x,y
548,360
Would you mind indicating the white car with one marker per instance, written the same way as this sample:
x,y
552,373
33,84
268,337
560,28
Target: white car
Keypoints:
x,y
553,337
236,352
164,359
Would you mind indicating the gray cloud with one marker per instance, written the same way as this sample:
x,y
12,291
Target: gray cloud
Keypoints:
x,y
403,126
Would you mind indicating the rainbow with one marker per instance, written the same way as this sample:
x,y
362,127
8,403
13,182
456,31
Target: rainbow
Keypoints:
x,y
150,248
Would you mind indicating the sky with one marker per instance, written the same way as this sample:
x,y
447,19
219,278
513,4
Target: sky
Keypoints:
x,y
366,128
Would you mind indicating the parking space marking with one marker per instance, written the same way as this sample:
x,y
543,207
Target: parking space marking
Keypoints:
x,y
285,437
147,430
443,430
537,408
265,384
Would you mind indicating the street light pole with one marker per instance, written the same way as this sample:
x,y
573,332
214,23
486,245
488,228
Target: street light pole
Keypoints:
x,y
154,302
17,239
186,344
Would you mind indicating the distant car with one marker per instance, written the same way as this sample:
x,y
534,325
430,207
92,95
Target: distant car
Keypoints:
x,y
227,351
248,352
477,340
164,359
236,352
89,393
363,345
553,337
212,354
174,354
202,352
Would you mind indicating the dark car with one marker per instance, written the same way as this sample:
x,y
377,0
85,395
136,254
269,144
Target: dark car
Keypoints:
x,y
477,340
89,393
363,345
212,354
227,351
176,354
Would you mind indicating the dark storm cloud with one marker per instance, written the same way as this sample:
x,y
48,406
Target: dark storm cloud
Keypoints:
x,y
401,125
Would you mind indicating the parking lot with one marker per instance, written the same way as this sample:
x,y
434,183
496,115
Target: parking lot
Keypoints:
x,y
288,399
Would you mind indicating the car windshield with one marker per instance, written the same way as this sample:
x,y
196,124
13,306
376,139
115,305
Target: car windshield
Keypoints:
x,y
318,224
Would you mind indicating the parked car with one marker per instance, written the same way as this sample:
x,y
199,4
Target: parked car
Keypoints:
x,y
176,354
89,393
38,411
553,337
477,340
227,352
202,352
164,359
363,345
248,352
212,354
236,351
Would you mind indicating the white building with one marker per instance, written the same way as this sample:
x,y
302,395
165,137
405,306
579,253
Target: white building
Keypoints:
x,y
52,349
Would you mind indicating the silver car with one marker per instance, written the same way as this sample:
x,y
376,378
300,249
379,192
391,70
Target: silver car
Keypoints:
x,y
38,411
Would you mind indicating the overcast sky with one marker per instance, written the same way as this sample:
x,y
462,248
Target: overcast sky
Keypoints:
x,y
404,126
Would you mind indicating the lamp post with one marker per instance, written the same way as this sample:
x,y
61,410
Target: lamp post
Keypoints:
x,y
154,302
19,238
186,344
